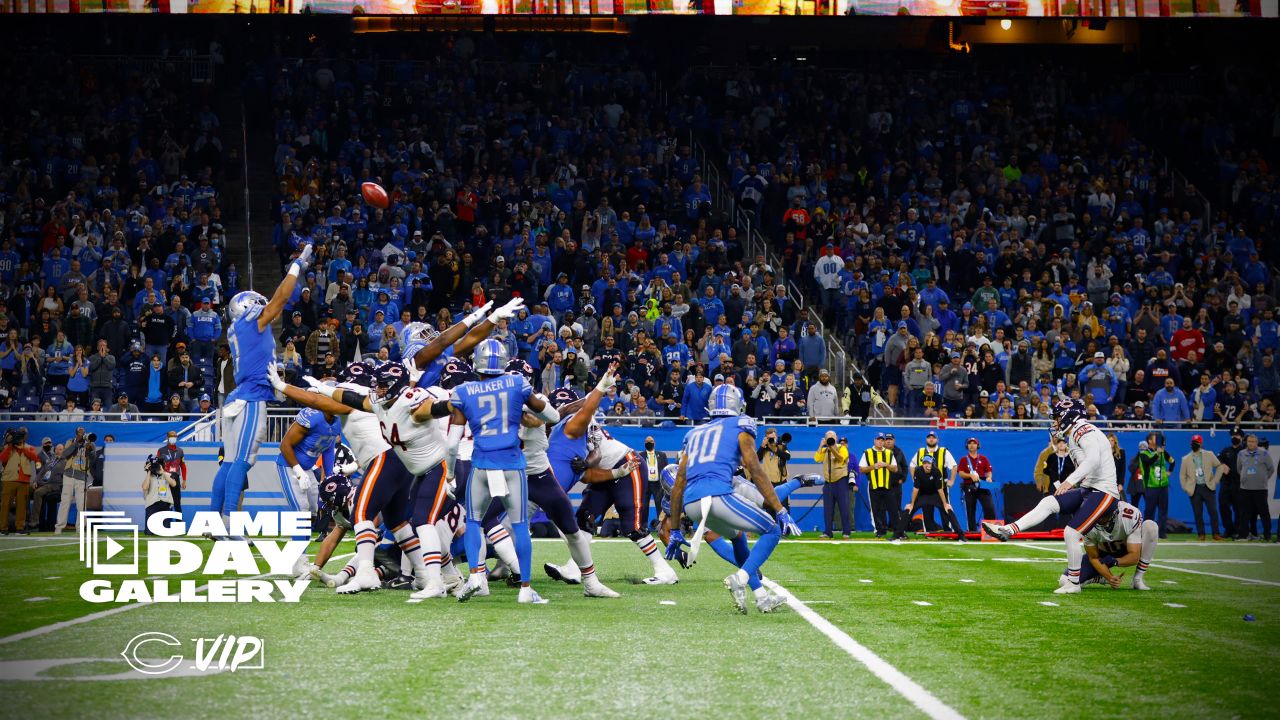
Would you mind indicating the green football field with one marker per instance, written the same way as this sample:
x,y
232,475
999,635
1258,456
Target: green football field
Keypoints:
x,y
924,629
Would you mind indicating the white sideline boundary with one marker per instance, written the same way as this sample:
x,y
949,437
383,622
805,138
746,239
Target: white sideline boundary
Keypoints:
x,y
926,701
40,545
1272,583
46,629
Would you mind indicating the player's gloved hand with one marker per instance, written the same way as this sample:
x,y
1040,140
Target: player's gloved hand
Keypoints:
x,y
578,464
675,543
301,478
303,261
273,376
789,526
607,381
508,311
474,317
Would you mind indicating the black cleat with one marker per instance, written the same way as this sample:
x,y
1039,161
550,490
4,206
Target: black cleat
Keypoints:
x,y
553,572
399,582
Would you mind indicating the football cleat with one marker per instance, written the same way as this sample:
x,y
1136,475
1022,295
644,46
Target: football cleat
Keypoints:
x,y
738,590
400,582
999,532
477,585
321,576
452,581
1067,588
301,568
595,588
556,572
662,578
770,602
529,596
1139,584
365,579
430,592
811,480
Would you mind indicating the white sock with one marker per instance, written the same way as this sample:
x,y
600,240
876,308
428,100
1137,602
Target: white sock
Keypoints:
x,y
580,550
430,540
761,593
1150,535
650,548
445,535
504,547
1043,509
366,541
1075,553
410,547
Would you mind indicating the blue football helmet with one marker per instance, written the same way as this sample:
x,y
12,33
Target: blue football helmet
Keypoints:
x,y
334,491
491,357
391,379
1066,412
563,396
516,366
455,372
668,477
725,400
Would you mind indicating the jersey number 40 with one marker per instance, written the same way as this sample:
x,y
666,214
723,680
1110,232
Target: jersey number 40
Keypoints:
x,y
703,443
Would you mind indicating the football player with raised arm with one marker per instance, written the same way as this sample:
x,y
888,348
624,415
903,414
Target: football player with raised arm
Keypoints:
x,y
244,415
704,490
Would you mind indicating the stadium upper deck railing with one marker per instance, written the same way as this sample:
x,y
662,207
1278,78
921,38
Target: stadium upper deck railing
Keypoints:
x,y
196,68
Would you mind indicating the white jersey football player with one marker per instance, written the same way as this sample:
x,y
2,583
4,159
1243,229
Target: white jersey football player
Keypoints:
x,y
1085,497
1122,539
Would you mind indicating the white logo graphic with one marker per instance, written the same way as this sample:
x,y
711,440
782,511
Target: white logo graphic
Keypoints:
x,y
179,551
95,555
225,652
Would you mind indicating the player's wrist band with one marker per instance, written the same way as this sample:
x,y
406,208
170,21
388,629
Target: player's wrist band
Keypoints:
x,y
621,472
295,269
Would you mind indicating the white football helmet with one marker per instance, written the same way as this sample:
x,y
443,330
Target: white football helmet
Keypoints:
x,y
242,302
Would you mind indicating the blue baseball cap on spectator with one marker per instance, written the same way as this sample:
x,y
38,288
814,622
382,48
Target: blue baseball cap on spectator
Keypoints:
x,y
967,306
902,324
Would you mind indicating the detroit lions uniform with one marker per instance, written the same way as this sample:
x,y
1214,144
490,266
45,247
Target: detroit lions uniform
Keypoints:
x,y
493,408
317,446
244,417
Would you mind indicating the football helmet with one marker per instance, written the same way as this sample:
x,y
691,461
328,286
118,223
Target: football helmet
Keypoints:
x,y
725,400
390,379
357,374
668,477
491,357
334,491
516,366
1066,412
455,372
243,302
563,396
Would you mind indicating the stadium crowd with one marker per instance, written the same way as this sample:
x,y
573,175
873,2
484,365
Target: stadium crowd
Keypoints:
x,y
985,245
977,255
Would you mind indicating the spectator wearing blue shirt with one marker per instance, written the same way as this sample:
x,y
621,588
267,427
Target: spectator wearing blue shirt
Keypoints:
x,y
712,306
1203,398
1169,404
1266,335
812,350
1170,323
934,296
693,402
997,319
206,328
560,297
1099,383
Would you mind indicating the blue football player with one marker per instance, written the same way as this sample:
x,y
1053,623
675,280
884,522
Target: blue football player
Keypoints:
x,y
244,415
704,490
311,439
426,363
492,407
743,488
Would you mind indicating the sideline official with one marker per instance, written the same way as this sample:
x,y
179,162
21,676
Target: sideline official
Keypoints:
x,y
945,464
877,463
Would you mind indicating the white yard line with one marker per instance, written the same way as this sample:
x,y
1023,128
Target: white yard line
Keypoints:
x,y
37,547
906,687
1164,567
46,629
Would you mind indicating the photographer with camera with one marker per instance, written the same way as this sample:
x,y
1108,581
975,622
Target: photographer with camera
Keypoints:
x,y
774,456
79,454
19,462
157,488
47,488
834,459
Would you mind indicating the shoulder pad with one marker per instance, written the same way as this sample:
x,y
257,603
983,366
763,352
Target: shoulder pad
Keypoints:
x,y
307,417
747,425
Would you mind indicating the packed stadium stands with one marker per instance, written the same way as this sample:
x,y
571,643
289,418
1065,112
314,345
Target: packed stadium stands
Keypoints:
x,y
975,239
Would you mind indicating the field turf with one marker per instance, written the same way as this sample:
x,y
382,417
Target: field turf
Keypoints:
x,y
952,631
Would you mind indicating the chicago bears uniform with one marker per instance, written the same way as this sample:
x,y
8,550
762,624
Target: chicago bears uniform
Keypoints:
x,y
1085,497
1112,540
624,494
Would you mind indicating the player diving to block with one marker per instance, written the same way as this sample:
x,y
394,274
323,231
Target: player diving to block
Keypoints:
x,y
244,416
704,490
1086,496
311,438
1123,539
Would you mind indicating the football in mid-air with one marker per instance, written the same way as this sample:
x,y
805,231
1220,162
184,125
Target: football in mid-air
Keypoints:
x,y
375,195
